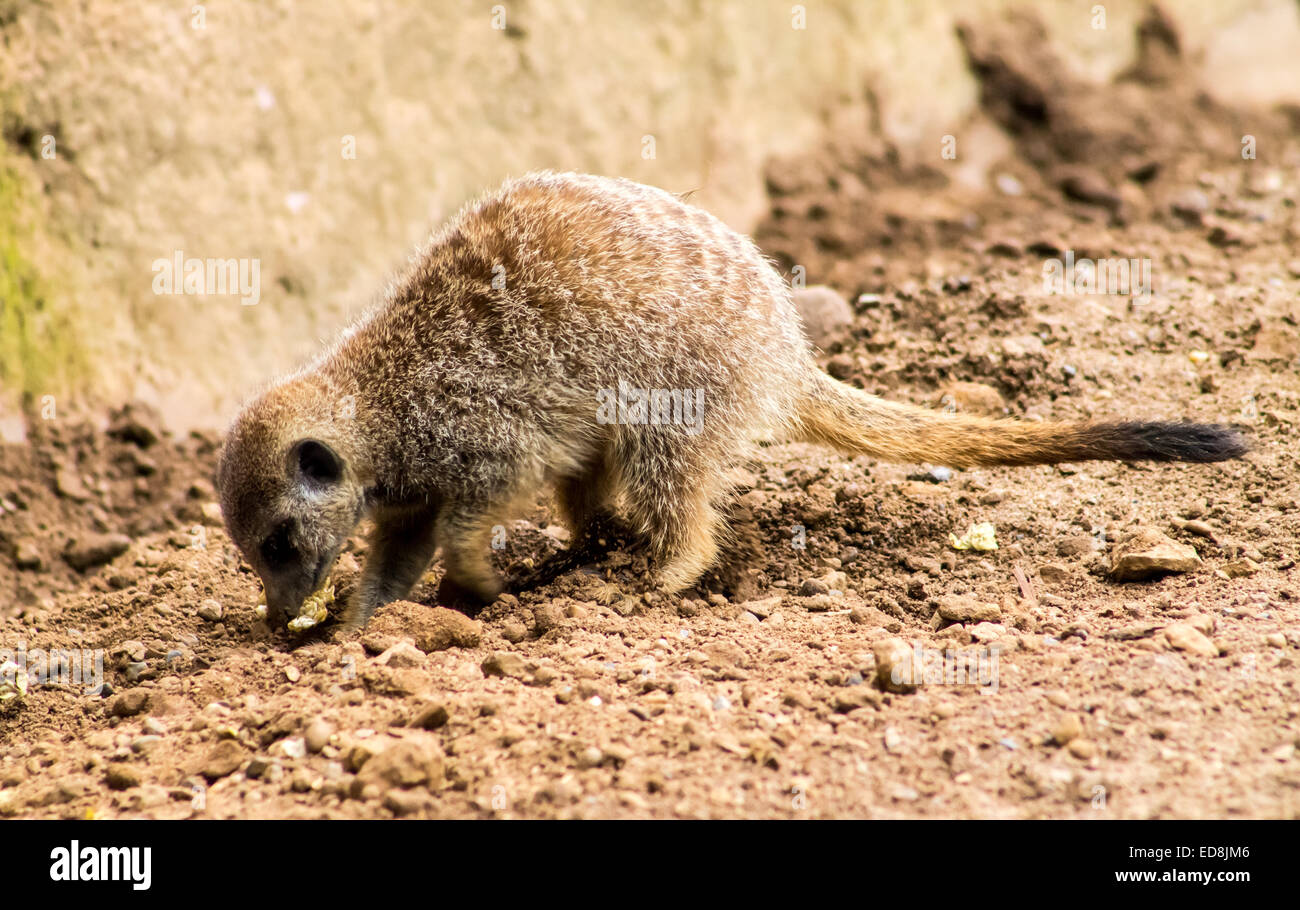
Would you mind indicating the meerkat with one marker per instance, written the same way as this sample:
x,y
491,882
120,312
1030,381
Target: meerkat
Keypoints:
x,y
487,373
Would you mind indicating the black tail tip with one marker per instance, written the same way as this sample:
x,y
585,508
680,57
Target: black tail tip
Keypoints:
x,y
1173,441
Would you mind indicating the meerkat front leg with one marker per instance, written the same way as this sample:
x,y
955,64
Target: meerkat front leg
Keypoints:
x,y
687,544
681,522
400,548
584,499
465,536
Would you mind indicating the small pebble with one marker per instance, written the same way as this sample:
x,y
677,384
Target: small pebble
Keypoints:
x,y
317,735
211,611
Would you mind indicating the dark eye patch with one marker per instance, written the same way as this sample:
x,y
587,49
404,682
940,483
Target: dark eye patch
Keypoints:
x,y
278,550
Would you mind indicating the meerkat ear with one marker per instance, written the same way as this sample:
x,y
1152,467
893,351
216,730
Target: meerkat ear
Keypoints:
x,y
317,462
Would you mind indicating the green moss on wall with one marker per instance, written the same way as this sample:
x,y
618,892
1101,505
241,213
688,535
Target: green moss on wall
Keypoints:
x,y
38,351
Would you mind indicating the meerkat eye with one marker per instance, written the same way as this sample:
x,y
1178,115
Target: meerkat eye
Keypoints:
x,y
318,462
277,549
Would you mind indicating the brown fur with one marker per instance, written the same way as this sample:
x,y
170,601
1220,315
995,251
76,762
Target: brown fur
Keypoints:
x,y
477,383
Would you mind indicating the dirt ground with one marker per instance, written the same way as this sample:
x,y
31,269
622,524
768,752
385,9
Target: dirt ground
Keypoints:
x,y
758,694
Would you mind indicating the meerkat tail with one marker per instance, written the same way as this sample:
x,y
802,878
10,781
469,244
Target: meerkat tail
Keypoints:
x,y
848,419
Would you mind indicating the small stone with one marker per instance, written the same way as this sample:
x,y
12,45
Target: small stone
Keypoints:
x,y
1190,205
514,631
431,716
317,735
1149,553
1076,546
974,398
405,764
1222,234
1053,573
92,550
504,663
361,752
129,703
819,603
135,423
1186,637
1083,749
27,555
986,631
143,744
430,628
401,654
1070,727
224,758
1199,528
1087,185
1275,343
121,777
408,802
1008,185
211,611
893,741
723,653
968,610
546,617
812,587
721,703
1275,640
589,757
134,650
292,673
762,608
69,484
846,700
1239,568
544,676
894,666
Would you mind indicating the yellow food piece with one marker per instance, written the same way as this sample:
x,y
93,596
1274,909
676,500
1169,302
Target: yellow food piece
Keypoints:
x,y
13,682
314,608
1199,357
981,536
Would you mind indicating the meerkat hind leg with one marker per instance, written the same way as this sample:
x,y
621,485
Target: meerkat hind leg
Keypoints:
x,y
682,524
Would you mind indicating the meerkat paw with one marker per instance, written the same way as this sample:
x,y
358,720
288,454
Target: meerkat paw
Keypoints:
x,y
471,592
684,569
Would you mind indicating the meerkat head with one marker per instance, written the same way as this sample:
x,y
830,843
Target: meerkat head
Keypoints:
x,y
290,498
